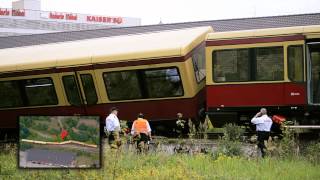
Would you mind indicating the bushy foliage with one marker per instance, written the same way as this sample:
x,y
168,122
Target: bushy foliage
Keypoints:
x,y
229,144
312,152
41,127
228,148
54,131
24,132
287,147
83,127
71,122
232,132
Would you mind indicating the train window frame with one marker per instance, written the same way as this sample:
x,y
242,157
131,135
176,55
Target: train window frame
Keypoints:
x,y
140,79
111,98
249,74
78,90
195,57
252,64
21,102
84,89
166,77
27,103
301,63
26,99
274,68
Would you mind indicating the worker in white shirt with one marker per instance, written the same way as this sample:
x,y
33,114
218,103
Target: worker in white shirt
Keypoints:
x,y
263,125
113,129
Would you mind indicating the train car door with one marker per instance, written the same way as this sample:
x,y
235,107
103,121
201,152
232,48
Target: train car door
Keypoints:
x,y
313,56
80,90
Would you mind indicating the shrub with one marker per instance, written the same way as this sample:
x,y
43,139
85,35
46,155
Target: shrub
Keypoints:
x,y
54,131
232,132
287,147
83,127
229,144
41,127
24,132
228,148
312,152
72,122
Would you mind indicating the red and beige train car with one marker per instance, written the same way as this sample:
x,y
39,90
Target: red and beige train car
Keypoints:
x,y
159,74
274,68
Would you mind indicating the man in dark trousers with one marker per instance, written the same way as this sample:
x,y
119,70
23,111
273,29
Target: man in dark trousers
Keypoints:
x,y
263,125
141,132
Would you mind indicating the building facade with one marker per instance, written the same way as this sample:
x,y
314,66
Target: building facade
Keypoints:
x,y
26,17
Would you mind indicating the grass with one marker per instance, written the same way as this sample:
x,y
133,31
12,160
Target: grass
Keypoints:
x,y
128,165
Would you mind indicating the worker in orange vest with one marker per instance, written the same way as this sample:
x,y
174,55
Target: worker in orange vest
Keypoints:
x,y
141,132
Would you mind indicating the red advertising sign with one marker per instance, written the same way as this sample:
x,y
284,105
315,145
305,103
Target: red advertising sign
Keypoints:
x,y
71,17
4,12
115,20
56,16
18,12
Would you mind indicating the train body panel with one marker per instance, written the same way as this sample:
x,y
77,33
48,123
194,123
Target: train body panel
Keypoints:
x,y
264,94
155,110
274,68
152,73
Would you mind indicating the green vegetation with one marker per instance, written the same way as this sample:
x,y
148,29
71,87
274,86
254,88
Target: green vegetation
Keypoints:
x,y
46,128
229,144
24,146
129,165
72,121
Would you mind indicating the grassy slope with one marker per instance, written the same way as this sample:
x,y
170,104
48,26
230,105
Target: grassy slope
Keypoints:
x,y
162,166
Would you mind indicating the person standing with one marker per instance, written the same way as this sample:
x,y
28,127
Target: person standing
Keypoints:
x,y
113,129
141,132
263,125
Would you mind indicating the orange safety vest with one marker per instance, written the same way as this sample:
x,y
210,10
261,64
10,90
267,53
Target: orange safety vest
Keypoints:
x,y
140,126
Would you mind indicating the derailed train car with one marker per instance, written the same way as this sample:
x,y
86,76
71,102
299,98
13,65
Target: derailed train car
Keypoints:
x,y
160,74
274,68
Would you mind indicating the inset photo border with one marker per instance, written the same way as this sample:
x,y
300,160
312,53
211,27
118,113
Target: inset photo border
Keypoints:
x,y
59,142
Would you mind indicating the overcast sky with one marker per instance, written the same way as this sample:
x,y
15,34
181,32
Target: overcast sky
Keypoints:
x,y
171,11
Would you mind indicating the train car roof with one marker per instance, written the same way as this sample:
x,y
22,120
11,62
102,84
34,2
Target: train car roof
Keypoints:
x,y
313,30
171,43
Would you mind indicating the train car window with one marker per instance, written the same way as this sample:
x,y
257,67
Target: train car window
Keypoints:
x,y
163,83
140,84
295,63
199,64
231,65
122,85
10,94
269,63
89,89
39,92
253,64
71,89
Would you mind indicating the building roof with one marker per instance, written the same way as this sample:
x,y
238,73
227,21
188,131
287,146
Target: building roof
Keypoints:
x,y
50,157
217,25
171,43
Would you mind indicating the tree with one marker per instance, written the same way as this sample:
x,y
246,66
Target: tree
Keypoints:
x,y
24,132
83,127
72,122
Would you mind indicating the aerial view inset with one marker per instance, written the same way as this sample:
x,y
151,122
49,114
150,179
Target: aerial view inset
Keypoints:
x,y
59,142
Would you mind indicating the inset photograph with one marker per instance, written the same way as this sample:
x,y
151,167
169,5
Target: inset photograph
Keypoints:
x,y
59,142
